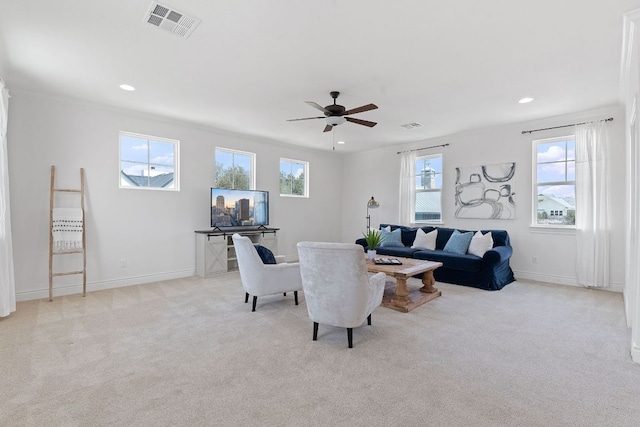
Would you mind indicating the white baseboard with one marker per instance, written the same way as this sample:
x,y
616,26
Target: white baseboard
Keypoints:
x,y
635,354
104,284
560,280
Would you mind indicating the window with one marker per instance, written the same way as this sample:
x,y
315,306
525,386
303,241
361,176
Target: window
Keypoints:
x,y
148,162
235,169
428,181
294,178
555,181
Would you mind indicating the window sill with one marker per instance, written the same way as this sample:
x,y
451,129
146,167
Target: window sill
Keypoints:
x,y
550,229
295,196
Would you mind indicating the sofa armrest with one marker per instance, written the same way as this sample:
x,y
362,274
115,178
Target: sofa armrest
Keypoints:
x,y
497,255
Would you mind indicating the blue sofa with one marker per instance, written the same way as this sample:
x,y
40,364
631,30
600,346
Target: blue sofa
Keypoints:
x,y
491,272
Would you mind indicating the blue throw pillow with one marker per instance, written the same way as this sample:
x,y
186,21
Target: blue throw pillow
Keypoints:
x,y
459,242
391,238
265,255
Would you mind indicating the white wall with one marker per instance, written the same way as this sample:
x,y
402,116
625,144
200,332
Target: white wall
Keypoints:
x,y
630,93
376,173
152,230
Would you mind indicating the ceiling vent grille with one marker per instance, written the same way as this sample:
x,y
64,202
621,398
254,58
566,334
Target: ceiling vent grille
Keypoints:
x,y
412,125
171,20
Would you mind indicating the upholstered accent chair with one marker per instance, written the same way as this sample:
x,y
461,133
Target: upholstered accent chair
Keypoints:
x,y
337,287
259,279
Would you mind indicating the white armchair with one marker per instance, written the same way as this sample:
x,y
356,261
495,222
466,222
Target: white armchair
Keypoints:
x,y
337,287
260,279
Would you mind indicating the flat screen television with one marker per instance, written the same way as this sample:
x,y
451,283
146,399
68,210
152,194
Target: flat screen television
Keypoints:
x,y
239,208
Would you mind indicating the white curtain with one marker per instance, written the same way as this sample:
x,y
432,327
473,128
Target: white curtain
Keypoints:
x,y
407,188
7,282
592,205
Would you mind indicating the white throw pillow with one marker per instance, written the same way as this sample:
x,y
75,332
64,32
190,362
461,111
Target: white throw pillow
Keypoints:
x,y
425,240
480,244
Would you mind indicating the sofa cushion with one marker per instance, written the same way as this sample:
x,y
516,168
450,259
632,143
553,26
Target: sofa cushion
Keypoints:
x,y
458,243
480,244
451,260
425,240
443,236
403,252
408,233
500,237
391,238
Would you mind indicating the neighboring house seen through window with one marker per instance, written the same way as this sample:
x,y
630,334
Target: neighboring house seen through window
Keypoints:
x,y
554,175
294,176
148,162
428,186
235,169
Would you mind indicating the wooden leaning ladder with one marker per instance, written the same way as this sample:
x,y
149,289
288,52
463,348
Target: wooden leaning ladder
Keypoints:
x,y
82,251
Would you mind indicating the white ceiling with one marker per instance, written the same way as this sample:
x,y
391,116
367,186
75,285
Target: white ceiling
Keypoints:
x,y
250,65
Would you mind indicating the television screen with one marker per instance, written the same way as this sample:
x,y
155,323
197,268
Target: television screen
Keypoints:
x,y
239,208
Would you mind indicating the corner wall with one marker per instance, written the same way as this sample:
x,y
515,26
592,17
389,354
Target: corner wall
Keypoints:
x,y
152,230
376,173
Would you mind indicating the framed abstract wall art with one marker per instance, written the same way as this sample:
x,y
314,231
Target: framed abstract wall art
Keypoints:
x,y
486,191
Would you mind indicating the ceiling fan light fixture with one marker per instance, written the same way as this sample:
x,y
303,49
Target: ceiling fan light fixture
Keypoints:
x,y
335,120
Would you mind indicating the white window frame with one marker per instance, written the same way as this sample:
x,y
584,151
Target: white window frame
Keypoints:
x,y
252,156
534,181
433,190
176,161
306,177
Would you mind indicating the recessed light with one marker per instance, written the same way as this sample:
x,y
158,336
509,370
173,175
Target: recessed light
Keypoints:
x,y
340,142
127,87
525,100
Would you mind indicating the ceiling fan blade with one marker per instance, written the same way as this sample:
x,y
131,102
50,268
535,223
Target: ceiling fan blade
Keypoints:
x,y
328,128
361,122
306,118
360,109
318,106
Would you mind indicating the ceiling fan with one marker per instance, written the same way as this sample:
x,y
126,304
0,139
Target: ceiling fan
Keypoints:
x,y
335,114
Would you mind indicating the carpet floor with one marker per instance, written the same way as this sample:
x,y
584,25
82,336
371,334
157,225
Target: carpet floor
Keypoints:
x,y
190,352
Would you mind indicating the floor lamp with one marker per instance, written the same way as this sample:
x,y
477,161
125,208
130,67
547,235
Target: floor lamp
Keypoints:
x,y
371,204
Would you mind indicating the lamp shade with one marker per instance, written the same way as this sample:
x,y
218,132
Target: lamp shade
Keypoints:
x,y
335,120
372,203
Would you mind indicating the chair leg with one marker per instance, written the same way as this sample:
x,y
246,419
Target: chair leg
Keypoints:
x,y
255,299
285,294
315,331
246,297
350,337
295,295
369,319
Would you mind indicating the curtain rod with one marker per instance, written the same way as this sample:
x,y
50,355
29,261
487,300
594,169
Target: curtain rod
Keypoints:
x,y
610,119
423,148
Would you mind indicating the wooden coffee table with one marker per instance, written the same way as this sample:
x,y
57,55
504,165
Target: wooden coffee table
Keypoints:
x,y
401,298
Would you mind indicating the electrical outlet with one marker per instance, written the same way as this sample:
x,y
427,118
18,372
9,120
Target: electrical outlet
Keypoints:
x,y
534,259
123,263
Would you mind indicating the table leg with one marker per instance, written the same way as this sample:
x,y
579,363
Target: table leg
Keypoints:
x,y
400,298
428,281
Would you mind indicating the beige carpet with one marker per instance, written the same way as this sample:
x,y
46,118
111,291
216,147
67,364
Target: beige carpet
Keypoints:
x,y
190,352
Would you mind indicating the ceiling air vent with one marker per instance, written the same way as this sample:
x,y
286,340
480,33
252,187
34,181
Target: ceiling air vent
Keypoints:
x,y
171,20
412,125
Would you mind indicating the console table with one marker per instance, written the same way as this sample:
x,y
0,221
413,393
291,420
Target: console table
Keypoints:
x,y
215,252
